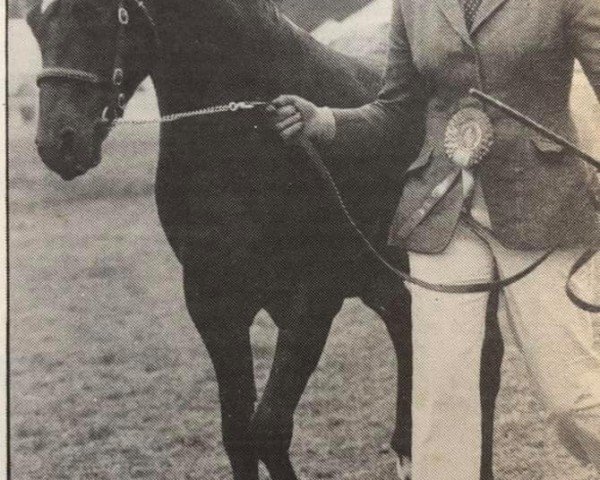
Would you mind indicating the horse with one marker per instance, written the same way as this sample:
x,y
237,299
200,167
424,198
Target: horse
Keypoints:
x,y
245,215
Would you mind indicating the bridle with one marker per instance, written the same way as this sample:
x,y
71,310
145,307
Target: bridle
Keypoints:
x,y
116,106
112,114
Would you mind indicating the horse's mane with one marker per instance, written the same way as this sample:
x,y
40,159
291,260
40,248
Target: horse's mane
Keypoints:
x,y
360,74
252,49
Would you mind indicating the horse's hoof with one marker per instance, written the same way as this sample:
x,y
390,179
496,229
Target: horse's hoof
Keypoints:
x,y
403,467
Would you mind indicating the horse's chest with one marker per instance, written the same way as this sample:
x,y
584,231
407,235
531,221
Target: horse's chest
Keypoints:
x,y
240,193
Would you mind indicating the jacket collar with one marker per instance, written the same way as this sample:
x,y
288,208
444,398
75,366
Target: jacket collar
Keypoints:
x,y
454,13
485,11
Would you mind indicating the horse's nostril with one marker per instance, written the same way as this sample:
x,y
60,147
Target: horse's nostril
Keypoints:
x,y
67,133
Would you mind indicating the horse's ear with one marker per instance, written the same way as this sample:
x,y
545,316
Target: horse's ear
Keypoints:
x,y
32,18
40,9
33,15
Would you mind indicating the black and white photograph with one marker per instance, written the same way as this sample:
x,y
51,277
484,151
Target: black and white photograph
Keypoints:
x,y
302,239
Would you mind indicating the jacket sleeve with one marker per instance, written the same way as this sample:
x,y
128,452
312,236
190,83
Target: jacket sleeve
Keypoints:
x,y
398,109
584,32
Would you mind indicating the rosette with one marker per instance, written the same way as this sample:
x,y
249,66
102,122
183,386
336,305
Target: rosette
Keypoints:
x,y
469,137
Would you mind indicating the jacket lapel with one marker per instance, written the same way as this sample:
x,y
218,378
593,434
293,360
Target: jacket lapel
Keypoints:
x,y
453,12
485,11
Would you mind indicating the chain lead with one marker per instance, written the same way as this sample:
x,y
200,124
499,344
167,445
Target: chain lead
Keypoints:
x,y
212,110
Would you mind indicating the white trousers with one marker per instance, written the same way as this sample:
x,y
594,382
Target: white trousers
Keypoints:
x,y
555,338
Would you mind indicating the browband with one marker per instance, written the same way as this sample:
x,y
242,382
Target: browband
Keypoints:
x,y
70,74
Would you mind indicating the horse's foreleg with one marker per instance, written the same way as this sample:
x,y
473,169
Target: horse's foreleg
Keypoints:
x,y
296,357
226,335
232,359
302,337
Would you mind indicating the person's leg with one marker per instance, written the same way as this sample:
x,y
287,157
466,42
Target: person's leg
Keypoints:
x,y
448,333
557,340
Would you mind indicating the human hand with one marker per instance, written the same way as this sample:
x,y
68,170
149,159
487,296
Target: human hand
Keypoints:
x,y
296,119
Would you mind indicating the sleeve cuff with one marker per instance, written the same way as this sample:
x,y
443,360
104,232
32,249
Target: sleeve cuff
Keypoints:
x,y
327,121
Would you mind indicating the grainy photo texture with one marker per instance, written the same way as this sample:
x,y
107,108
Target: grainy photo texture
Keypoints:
x,y
304,239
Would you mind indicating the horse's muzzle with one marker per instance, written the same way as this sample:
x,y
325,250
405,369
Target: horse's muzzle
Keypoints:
x,y
59,154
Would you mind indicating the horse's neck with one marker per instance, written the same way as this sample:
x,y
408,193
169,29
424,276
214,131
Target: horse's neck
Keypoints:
x,y
251,56
315,71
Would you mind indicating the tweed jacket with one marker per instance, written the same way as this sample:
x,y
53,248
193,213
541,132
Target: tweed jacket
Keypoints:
x,y
520,51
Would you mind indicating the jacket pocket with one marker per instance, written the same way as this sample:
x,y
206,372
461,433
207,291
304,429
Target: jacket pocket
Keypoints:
x,y
422,160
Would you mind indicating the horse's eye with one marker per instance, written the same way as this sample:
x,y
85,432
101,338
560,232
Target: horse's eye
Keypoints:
x,y
86,13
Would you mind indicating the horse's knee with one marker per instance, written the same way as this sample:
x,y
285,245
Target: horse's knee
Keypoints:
x,y
243,458
227,341
271,431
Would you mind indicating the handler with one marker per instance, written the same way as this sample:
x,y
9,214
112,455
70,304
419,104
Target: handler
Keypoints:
x,y
530,192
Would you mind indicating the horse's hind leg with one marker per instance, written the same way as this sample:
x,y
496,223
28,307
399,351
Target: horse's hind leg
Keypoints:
x,y
303,331
398,321
491,370
224,325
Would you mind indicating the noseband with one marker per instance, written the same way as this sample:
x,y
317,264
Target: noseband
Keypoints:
x,y
115,108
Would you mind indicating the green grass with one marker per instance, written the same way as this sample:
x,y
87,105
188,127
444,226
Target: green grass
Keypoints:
x,y
109,379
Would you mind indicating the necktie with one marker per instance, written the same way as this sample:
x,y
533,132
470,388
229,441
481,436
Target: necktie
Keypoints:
x,y
470,7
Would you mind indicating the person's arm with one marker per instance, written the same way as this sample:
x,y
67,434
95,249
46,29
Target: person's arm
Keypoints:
x,y
399,105
584,32
397,109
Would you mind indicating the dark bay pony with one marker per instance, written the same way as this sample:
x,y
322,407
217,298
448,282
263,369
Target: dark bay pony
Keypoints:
x,y
246,216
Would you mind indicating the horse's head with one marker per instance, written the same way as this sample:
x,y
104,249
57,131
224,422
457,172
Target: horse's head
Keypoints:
x,y
93,52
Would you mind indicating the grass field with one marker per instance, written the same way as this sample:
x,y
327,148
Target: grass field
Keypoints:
x,y
109,379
